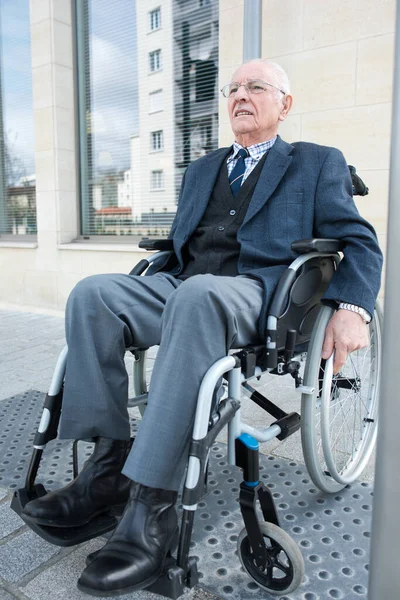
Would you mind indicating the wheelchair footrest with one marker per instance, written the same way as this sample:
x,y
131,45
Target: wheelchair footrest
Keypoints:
x,y
173,581
61,536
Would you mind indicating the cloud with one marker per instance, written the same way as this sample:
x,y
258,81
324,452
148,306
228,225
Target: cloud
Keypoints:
x,y
113,80
114,98
16,74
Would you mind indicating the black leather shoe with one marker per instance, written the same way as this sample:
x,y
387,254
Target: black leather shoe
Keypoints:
x,y
134,557
99,488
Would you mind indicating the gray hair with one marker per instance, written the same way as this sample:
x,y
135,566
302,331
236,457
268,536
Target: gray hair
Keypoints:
x,y
280,76
281,80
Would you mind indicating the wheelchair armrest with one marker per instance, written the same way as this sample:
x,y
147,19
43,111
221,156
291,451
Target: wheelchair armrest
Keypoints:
x,y
158,244
317,245
155,260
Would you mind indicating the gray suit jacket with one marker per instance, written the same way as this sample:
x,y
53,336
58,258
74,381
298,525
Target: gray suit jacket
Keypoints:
x,y
304,191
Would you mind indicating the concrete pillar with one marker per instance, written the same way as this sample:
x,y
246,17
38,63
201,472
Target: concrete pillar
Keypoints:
x,y
252,29
54,119
385,542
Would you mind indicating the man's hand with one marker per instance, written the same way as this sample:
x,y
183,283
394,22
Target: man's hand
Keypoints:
x,y
346,331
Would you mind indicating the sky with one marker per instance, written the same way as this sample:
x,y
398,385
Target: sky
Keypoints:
x,y
16,79
113,102
114,80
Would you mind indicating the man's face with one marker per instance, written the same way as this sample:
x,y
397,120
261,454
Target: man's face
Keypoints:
x,y
255,117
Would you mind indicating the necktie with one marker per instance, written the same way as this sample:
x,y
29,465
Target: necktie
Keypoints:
x,y
236,177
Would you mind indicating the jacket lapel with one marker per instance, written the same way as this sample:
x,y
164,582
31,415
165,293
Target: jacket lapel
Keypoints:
x,y
275,166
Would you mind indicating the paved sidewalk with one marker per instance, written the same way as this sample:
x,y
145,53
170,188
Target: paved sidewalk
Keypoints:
x,y
29,345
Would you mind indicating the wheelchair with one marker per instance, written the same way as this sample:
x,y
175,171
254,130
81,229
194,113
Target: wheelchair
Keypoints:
x,y
338,423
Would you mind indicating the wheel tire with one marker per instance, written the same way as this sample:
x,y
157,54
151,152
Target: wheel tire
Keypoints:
x,y
278,542
346,462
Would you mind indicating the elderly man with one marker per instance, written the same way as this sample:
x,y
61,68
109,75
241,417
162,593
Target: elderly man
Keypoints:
x,y
239,210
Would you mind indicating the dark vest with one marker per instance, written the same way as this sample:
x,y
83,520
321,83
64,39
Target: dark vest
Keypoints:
x,y
213,248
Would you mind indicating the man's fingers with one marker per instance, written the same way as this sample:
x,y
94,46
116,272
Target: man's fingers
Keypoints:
x,y
328,345
341,353
345,333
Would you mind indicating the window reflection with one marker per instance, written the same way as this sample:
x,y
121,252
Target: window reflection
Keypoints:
x,y
17,164
155,19
148,107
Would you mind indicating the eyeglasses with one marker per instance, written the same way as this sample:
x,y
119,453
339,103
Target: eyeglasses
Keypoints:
x,y
256,86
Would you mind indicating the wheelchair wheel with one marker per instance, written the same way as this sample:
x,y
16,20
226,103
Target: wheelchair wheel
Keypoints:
x,y
284,570
339,420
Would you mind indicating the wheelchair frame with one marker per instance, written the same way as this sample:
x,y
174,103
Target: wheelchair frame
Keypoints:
x,y
238,368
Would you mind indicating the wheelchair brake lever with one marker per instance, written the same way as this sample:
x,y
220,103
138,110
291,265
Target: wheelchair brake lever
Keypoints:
x,y
292,367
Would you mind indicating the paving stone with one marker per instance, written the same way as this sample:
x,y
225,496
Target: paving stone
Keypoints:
x,y
23,554
13,367
320,524
6,596
289,449
41,385
9,389
9,521
44,338
58,582
19,419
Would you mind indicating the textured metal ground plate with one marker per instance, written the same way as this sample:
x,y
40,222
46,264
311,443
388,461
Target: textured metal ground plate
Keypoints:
x,y
332,531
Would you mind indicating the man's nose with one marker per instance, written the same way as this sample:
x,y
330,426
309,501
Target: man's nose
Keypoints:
x,y
241,93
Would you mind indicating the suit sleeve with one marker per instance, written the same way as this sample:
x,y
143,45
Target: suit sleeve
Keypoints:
x,y
358,277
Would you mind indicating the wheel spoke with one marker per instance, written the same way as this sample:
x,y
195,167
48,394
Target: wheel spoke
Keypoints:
x,y
274,550
284,568
351,431
350,409
341,398
269,575
346,431
349,406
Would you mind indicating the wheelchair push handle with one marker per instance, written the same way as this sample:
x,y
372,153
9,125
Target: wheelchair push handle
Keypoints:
x,y
359,187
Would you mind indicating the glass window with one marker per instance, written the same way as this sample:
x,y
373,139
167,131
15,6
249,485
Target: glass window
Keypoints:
x,y
17,162
157,140
155,60
156,101
133,94
108,112
155,19
157,180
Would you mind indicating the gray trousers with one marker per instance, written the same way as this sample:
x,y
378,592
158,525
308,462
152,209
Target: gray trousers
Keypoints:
x,y
194,322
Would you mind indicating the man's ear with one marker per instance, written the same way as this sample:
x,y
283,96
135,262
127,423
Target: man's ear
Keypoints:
x,y
287,105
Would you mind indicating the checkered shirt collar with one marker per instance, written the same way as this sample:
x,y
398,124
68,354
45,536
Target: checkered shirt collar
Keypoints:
x,y
256,151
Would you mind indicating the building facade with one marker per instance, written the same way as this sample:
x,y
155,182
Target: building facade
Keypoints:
x,y
113,105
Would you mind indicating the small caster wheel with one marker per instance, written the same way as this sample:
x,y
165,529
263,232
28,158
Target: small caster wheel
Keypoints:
x,y
284,569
